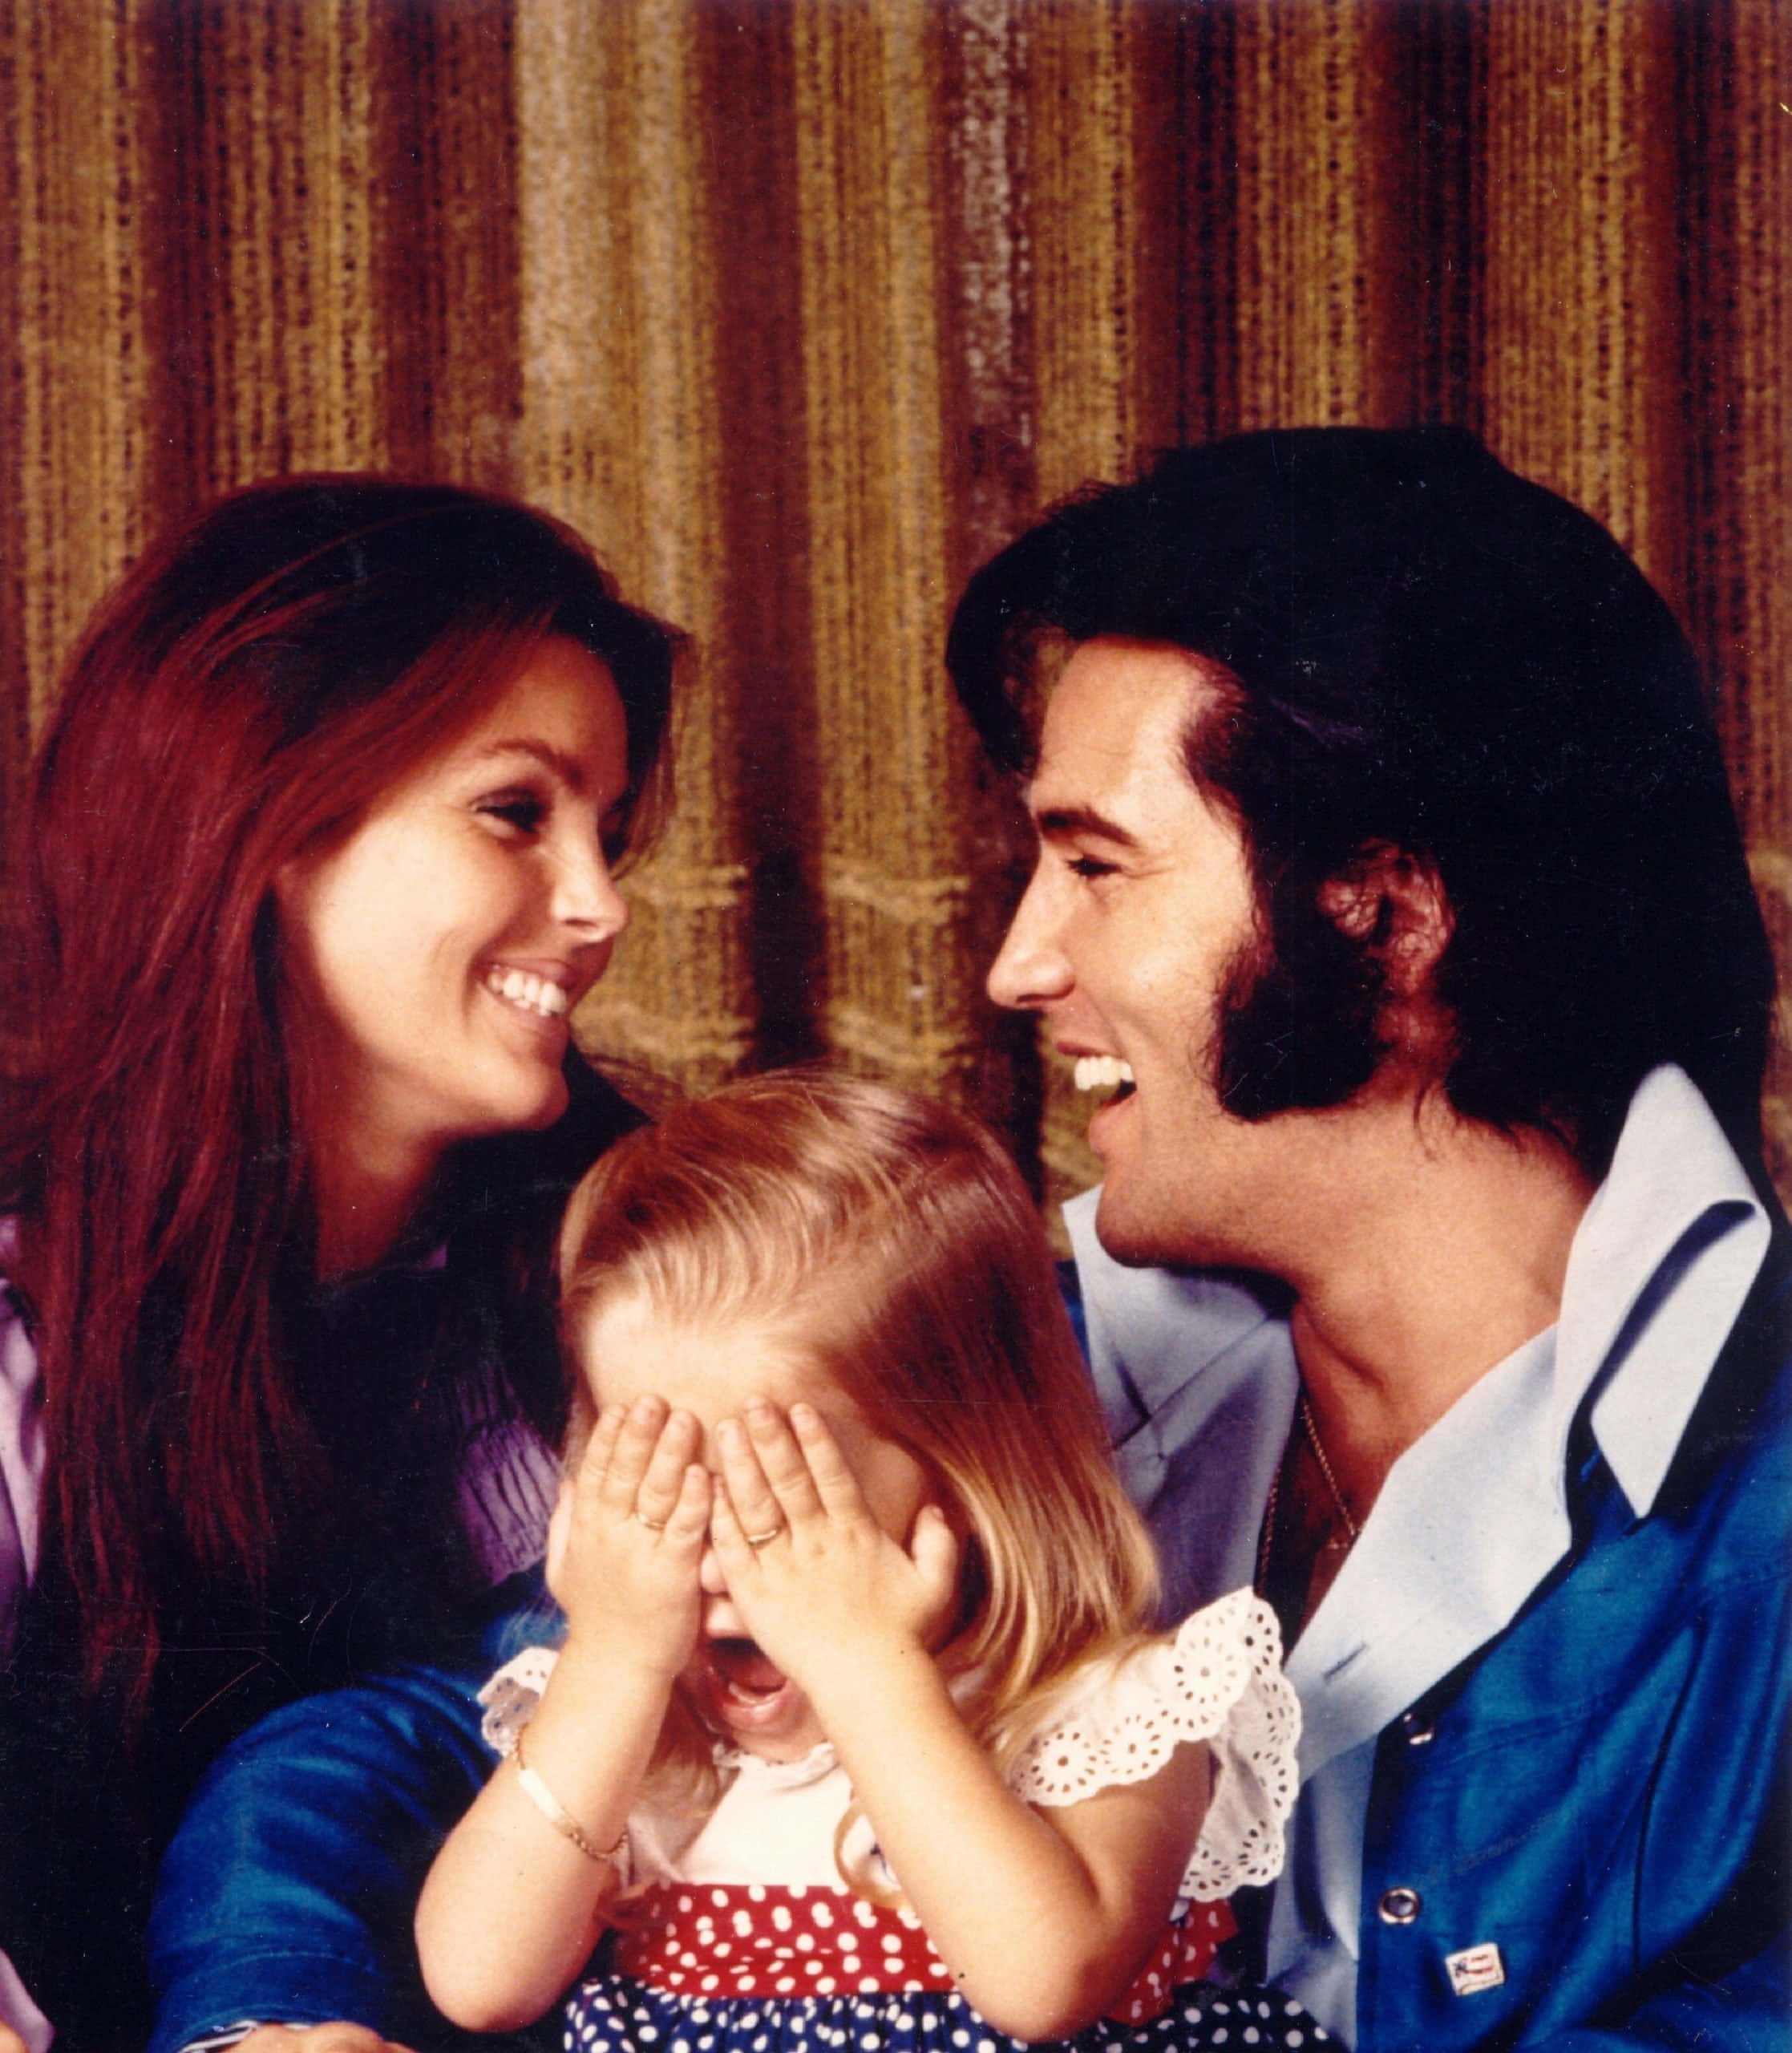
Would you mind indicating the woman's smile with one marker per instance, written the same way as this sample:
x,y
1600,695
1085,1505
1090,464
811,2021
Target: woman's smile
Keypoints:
x,y
544,996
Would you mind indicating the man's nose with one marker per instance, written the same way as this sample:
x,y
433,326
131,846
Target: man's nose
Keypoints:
x,y
1031,967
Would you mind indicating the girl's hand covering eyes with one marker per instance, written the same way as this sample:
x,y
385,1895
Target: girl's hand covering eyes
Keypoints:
x,y
831,1587
628,1535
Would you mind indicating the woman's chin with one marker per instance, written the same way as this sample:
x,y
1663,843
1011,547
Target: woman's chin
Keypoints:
x,y
528,1101
550,1105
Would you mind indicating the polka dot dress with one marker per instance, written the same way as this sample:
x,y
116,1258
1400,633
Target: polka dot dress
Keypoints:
x,y
739,1936
758,1968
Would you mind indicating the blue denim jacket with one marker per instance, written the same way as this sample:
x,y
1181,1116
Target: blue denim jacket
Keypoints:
x,y
1604,1796
286,1896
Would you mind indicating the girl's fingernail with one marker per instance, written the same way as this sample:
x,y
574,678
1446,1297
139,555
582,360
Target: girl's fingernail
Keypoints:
x,y
728,1433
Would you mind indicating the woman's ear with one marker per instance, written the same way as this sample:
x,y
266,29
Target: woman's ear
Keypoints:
x,y
1394,903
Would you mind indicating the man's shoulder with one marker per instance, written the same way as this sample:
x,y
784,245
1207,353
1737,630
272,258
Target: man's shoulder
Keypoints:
x,y
1731,1476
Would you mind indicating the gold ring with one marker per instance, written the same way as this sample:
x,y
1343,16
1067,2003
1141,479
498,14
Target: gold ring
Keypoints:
x,y
761,1539
652,1525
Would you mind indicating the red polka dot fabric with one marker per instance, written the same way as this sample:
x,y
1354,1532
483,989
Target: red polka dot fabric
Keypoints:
x,y
1183,1955
761,1940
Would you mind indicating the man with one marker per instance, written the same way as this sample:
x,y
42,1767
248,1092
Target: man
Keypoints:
x,y
1386,869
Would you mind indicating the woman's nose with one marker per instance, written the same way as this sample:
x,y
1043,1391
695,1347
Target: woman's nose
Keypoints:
x,y
708,1575
1031,967
585,896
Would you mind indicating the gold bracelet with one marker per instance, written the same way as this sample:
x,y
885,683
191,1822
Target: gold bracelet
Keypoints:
x,y
557,1815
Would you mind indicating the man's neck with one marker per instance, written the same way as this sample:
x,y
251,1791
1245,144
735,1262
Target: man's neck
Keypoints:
x,y
1442,1263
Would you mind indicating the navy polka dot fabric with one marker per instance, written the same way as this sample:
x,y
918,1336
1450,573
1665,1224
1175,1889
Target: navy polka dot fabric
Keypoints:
x,y
614,2014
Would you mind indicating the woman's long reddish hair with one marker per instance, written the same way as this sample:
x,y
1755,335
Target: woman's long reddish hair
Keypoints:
x,y
244,695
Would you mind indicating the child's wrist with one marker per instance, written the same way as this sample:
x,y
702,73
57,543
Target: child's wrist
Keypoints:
x,y
869,1676
603,1666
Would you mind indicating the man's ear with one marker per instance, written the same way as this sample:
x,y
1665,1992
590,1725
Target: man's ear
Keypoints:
x,y
1393,902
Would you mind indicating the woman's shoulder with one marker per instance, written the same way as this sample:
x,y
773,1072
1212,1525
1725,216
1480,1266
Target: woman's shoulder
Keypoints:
x,y
21,1446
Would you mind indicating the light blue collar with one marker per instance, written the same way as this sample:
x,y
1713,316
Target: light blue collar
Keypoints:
x,y
1668,1251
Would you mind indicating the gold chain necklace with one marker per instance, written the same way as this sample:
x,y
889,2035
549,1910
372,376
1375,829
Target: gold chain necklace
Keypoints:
x,y
1310,1426
1266,1543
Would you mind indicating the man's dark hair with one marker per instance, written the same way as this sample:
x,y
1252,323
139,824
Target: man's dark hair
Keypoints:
x,y
1430,653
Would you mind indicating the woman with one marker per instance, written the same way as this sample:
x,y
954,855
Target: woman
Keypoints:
x,y
318,861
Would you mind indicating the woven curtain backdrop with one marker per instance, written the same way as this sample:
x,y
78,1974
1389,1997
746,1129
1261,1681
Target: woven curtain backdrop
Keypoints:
x,y
798,308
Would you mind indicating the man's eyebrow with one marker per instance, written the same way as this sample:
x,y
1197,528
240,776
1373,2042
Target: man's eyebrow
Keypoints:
x,y
566,767
1054,822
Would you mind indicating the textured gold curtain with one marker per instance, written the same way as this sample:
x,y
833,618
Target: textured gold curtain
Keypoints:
x,y
797,308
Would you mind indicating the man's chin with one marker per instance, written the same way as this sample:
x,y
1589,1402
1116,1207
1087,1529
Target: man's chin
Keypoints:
x,y
1139,1234
1133,1241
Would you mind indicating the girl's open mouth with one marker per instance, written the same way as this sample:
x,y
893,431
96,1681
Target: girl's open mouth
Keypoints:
x,y
741,1672
747,1696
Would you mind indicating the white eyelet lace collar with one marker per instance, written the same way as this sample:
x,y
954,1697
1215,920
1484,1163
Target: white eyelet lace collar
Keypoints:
x,y
820,1761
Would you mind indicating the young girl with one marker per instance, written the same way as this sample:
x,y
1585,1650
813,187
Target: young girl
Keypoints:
x,y
856,1737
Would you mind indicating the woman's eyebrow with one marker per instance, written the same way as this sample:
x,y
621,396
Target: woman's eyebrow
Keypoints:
x,y
566,767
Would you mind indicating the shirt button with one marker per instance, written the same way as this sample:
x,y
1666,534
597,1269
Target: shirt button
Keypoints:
x,y
1418,1729
1398,1906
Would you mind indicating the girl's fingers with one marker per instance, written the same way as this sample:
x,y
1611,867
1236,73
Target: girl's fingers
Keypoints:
x,y
749,1495
782,1462
689,1522
726,1535
637,1436
659,1489
594,1463
933,1549
831,1474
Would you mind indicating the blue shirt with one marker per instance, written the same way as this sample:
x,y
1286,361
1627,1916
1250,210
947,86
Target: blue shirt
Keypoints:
x,y
1490,1515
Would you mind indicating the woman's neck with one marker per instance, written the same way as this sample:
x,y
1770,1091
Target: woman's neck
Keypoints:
x,y
366,1196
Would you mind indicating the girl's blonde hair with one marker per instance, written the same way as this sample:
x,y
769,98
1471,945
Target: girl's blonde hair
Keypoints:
x,y
889,1240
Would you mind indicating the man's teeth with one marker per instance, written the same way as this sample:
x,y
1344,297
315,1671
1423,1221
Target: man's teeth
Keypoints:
x,y
537,994
1102,1072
